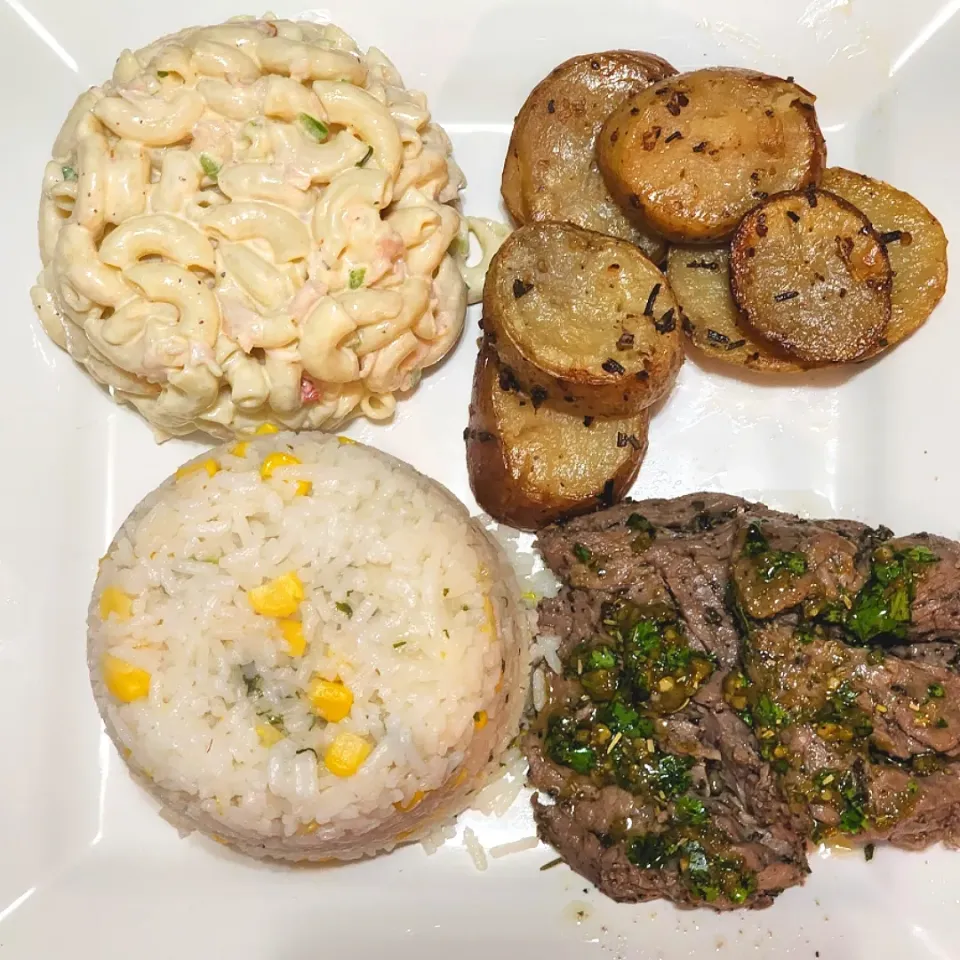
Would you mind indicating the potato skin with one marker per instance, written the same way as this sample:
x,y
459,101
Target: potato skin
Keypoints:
x,y
811,276
550,171
585,321
690,155
530,466
712,322
915,242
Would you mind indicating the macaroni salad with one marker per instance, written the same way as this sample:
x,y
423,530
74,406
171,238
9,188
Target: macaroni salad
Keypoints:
x,y
254,223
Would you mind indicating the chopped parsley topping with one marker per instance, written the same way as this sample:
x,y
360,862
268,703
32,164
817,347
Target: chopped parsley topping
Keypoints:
x,y
69,173
882,607
708,875
344,608
362,162
582,553
689,809
356,277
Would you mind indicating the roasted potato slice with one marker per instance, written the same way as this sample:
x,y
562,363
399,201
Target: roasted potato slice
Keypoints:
x,y
810,274
530,466
690,155
584,321
915,242
700,278
551,171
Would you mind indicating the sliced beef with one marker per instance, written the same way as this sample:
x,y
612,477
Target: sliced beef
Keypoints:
x,y
944,654
782,562
936,608
616,539
833,706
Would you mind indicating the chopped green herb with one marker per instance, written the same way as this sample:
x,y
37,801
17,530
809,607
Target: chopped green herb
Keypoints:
x,y
315,128
691,810
446,633
771,563
446,591
882,607
69,173
649,851
210,166
356,277
563,747
602,658
363,160
622,718
274,719
399,644
852,820
552,863
640,524
163,73
344,608
936,691
253,684
768,713
868,852
307,750
582,553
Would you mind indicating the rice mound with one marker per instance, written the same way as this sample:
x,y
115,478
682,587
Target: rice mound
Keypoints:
x,y
406,601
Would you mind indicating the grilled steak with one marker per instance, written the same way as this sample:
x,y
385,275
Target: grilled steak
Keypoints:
x,y
738,683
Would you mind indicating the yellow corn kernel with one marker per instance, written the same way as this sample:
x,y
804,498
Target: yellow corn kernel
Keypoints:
x,y
266,428
346,754
268,734
346,440
239,449
307,828
331,701
274,460
411,803
277,598
529,596
209,465
114,600
304,488
480,719
292,631
125,681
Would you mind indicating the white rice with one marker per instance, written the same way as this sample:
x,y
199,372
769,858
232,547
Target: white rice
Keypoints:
x,y
475,849
515,846
405,602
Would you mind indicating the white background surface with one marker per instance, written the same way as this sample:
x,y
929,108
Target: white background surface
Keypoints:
x,y
87,868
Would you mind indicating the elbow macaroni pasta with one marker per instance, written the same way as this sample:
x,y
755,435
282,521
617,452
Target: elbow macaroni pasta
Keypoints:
x,y
253,223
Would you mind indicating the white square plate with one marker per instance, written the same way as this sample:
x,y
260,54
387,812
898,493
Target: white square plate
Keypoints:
x,y
87,868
